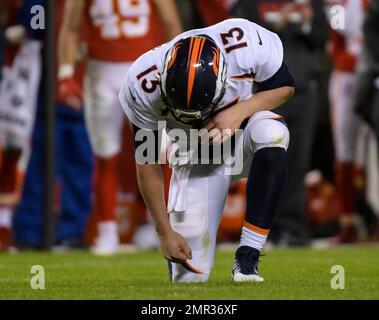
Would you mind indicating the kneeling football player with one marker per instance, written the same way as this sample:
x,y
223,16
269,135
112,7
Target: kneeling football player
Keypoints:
x,y
204,79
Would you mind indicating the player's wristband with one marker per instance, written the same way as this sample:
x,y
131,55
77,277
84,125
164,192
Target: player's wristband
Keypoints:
x,y
66,71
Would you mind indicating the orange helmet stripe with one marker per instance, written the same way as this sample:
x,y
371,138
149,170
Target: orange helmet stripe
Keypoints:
x,y
174,54
201,50
194,58
190,51
216,59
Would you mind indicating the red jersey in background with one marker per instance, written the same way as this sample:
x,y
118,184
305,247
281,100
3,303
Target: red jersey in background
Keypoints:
x,y
214,11
346,44
80,67
122,30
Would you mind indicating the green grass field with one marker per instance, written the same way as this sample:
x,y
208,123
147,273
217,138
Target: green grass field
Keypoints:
x,y
289,274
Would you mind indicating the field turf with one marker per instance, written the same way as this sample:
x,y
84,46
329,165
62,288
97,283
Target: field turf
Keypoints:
x,y
289,274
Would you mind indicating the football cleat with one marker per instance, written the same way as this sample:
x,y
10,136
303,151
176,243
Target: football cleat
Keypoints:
x,y
245,267
107,244
146,237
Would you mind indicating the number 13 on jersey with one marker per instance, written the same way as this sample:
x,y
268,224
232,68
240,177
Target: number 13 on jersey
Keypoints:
x,y
121,18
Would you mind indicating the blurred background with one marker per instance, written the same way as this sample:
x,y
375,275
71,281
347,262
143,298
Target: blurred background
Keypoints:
x,y
63,185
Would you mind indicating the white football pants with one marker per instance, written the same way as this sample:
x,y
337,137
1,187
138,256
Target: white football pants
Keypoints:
x,y
198,193
103,115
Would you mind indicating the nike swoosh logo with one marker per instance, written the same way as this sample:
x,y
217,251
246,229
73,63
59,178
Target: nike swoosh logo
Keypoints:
x,y
260,40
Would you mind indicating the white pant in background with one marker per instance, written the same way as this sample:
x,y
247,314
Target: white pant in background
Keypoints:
x,y
103,113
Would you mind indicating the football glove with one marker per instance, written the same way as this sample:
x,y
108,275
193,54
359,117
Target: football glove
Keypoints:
x,y
70,93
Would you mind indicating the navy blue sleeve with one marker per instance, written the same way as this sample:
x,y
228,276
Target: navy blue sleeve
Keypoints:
x,y
25,17
282,78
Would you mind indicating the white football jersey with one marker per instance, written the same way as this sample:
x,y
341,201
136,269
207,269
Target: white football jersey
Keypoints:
x,y
252,53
